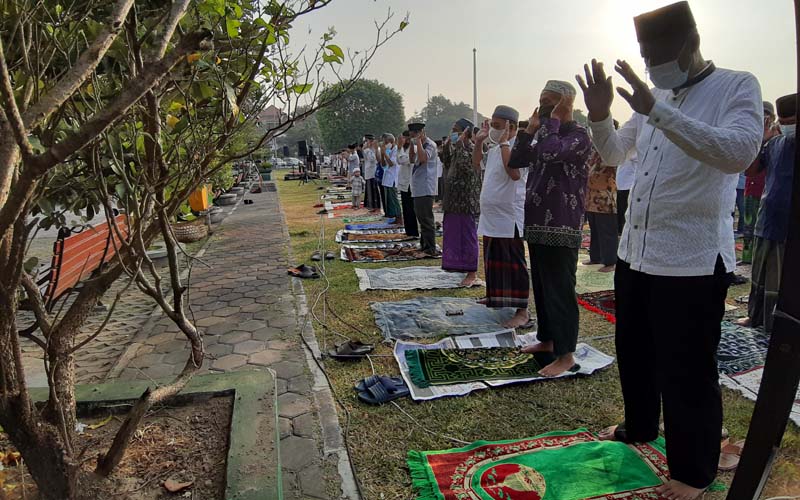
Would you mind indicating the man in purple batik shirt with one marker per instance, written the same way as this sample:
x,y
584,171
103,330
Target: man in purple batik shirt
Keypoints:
x,y
556,150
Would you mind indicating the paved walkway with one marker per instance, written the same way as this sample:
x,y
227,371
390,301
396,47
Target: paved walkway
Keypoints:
x,y
247,307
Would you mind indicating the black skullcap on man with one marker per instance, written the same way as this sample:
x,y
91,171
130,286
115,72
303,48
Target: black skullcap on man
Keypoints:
x,y
506,113
769,108
464,124
787,106
369,137
406,133
416,127
667,22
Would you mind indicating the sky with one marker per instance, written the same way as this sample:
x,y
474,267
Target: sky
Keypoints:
x,y
523,43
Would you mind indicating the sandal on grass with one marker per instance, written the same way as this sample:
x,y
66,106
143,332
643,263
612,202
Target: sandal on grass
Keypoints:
x,y
329,255
383,392
368,382
303,271
351,351
730,455
316,257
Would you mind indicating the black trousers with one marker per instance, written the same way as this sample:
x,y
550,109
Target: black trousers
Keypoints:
x,y
604,238
668,331
409,217
553,281
622,207
423,208
372,199
384,204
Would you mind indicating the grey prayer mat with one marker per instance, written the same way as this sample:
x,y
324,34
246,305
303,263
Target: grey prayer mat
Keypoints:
x,y
409,278
427,317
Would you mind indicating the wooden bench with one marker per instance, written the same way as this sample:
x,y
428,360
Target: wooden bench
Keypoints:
x,y
76,256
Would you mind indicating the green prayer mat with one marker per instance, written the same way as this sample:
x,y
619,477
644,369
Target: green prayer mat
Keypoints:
x,y
452,366
555,466
588,279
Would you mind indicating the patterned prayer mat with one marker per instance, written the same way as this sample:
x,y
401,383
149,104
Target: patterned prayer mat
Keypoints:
x,y
409,278
452,366
387,223
390,235
741,356
558,465
363,218
588,279
602,303
383,252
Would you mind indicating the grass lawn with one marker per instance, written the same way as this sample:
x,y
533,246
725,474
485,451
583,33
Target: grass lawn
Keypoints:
x,y
381,436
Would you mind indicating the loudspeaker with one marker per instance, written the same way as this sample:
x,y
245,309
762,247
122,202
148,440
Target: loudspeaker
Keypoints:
x,y
286,151
302,149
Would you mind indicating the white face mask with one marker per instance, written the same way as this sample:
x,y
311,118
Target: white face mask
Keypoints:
x,y
788,129
667,76
495,135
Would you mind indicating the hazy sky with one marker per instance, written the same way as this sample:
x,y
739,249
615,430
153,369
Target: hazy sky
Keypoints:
x,y
523,43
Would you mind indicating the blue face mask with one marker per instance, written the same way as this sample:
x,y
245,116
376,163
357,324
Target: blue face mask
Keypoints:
x,y
454,136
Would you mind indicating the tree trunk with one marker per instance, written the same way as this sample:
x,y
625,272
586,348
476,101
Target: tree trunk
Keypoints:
x,y
38,442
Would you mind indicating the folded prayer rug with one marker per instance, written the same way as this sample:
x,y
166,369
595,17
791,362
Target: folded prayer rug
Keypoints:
x,y
451,366
602,303
555,466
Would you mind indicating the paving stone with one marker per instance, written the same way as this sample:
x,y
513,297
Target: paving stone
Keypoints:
x,y
161,371
297,453
147,360
160,338
282,345
211,320
310,483
304,425
229,362
266,358
249,347
251,326
172,345
242,302
291,405
219,350
176,357
220,328
234,337
285,426
300,385
289,369
226,311
282,385
267,333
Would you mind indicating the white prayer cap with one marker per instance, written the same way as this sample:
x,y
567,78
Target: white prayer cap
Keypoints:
x,y
560,87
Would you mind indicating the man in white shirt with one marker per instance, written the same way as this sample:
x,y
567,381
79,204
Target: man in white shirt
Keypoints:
x,y
404,184
424,157
388,154
372,200
502,218
694,133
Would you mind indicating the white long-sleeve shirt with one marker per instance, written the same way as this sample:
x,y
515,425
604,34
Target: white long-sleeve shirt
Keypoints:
x,y
691,149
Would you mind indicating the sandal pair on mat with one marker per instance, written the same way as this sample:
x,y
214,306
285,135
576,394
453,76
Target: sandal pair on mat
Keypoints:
x,y
379,389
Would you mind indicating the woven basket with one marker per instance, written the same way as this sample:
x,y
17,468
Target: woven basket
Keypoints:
x,y
188,232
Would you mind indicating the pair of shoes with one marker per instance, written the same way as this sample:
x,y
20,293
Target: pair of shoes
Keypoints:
x,y
379,389
248,202
351,350
303,271
316,256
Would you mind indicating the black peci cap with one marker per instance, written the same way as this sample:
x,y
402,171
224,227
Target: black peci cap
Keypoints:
x,y
664,23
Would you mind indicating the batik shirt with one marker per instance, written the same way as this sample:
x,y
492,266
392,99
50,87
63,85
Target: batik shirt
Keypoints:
x,y
556,188
461,182
601,195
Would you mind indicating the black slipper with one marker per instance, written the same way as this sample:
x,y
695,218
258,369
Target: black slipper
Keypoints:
x,y
329,255
351,350
304,271
316,257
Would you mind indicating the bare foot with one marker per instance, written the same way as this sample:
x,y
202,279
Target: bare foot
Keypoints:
x,y
482,301
588,262
519,319
607,269
676,490
469,279
539,347
607,434
744,322
559,366
399,221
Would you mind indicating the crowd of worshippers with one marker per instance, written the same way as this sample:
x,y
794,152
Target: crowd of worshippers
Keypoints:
x,y
658,193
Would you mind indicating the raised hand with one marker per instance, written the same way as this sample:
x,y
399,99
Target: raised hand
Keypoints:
x,y
506,134
483,133
641,100
533,122
563,110
598,92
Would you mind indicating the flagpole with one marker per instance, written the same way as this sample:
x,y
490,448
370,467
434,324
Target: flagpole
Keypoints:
x,y
475,87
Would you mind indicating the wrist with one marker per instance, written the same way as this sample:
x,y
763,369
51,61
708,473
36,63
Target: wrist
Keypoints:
x,y
599,117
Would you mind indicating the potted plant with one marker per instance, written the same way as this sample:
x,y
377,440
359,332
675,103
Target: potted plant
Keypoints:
x,y
265,169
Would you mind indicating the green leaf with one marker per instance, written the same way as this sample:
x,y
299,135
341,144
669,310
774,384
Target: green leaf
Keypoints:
x,y
330,58
31,264
336,50
232,27
120,189
59,9
403,25
303,88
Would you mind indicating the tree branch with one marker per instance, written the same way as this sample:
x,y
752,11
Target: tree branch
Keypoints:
x,y
80,71
10,109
